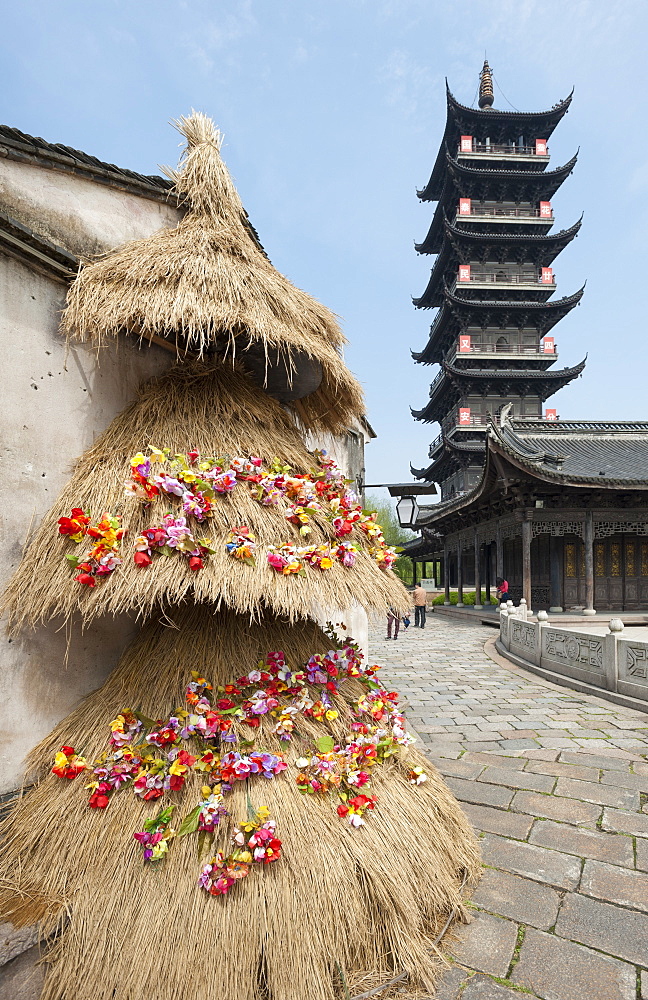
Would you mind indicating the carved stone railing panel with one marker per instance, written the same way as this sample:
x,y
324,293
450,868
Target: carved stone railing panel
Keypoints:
x,y
574,650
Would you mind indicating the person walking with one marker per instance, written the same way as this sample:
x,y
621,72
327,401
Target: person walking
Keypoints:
x,y
420,606
393,618
502,590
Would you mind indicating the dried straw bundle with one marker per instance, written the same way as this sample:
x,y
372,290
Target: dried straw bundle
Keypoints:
x,y
359,901
217,409
207,283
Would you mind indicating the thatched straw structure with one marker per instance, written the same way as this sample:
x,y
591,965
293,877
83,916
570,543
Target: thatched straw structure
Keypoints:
x,y
217,409
207,285
340,903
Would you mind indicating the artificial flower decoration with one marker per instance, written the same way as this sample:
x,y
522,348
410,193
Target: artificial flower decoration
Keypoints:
x,y
68,763
156,835
254,843
103,558
241,544
172,536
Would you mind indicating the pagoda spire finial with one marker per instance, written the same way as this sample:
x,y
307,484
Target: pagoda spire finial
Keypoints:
x,y
486,94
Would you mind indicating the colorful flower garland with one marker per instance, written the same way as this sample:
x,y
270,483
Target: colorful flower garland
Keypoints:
x,y
150,756
198,482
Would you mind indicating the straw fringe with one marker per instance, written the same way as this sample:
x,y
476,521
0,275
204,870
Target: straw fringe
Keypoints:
x,y
362,901
207,283
216,408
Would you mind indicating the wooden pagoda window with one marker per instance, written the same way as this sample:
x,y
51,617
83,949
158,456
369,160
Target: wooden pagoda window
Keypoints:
x,y
630,558
570,560
599,559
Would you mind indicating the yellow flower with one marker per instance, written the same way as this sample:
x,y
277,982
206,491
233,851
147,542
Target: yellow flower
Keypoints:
x,y
326,563
157,455
244,856
189,477
117,725
331,714
138,459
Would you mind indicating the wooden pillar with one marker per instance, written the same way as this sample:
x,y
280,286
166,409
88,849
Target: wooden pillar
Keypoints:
x,y
487,571
460,602
588,539
499,555
413,572
446,572
556,573
526,561
478,603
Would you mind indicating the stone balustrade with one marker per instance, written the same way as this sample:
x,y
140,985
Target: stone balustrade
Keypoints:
x,y
611,664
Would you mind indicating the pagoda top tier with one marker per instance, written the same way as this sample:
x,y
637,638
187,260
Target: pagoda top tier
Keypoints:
x,y
488,123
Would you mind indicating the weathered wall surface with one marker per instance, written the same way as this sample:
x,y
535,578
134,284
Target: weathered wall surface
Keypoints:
x,y
83,216
54,403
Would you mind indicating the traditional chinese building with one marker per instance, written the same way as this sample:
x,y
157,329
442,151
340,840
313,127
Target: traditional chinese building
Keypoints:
x,y
558,508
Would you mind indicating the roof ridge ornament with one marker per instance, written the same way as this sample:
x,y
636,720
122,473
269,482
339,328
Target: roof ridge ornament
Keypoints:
x,y
486,93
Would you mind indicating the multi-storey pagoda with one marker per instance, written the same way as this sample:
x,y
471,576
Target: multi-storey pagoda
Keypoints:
x,y
558,508
492,281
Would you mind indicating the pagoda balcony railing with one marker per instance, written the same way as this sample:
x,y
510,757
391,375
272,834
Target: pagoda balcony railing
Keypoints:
x,y
497,212
502,149
514,350
530,279
455,420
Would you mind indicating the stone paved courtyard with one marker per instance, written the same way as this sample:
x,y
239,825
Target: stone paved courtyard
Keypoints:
x,y
556,784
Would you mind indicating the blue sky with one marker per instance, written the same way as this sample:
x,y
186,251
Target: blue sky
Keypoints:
x,y
332,112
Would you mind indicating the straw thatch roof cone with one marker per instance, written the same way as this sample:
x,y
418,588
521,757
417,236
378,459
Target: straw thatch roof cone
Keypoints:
x,y
218,410
207,284
339,904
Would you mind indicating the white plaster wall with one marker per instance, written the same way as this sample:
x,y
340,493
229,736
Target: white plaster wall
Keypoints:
x,y
83,216
51,409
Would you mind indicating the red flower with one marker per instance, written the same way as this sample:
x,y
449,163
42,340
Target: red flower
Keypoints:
x,y
98,801
74,525
68,751
224,703
193,455
195,562
142,559
87,579
342,810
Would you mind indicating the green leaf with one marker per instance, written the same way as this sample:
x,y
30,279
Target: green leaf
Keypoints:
x,y
189,823
73,560
166,550
149,723
325,744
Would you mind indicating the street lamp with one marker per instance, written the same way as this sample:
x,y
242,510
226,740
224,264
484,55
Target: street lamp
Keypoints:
x,y
407,510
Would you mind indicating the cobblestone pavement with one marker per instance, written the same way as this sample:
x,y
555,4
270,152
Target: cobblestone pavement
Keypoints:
x,y
556,784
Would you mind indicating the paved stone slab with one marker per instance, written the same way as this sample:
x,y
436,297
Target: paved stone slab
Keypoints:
x,y
596,760
457,768
482,988
611,847
612,929
517,898
487,944
537,863
625,822
475,791
560,970
606,795
450,985
517,779
563,770
644,986
495,760
489,820
555,807
621,780
615,885
642,857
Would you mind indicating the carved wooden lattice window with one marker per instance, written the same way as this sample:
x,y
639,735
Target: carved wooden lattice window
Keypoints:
x,y
581,560
644,558
599,559
570,559
630,558
615,559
